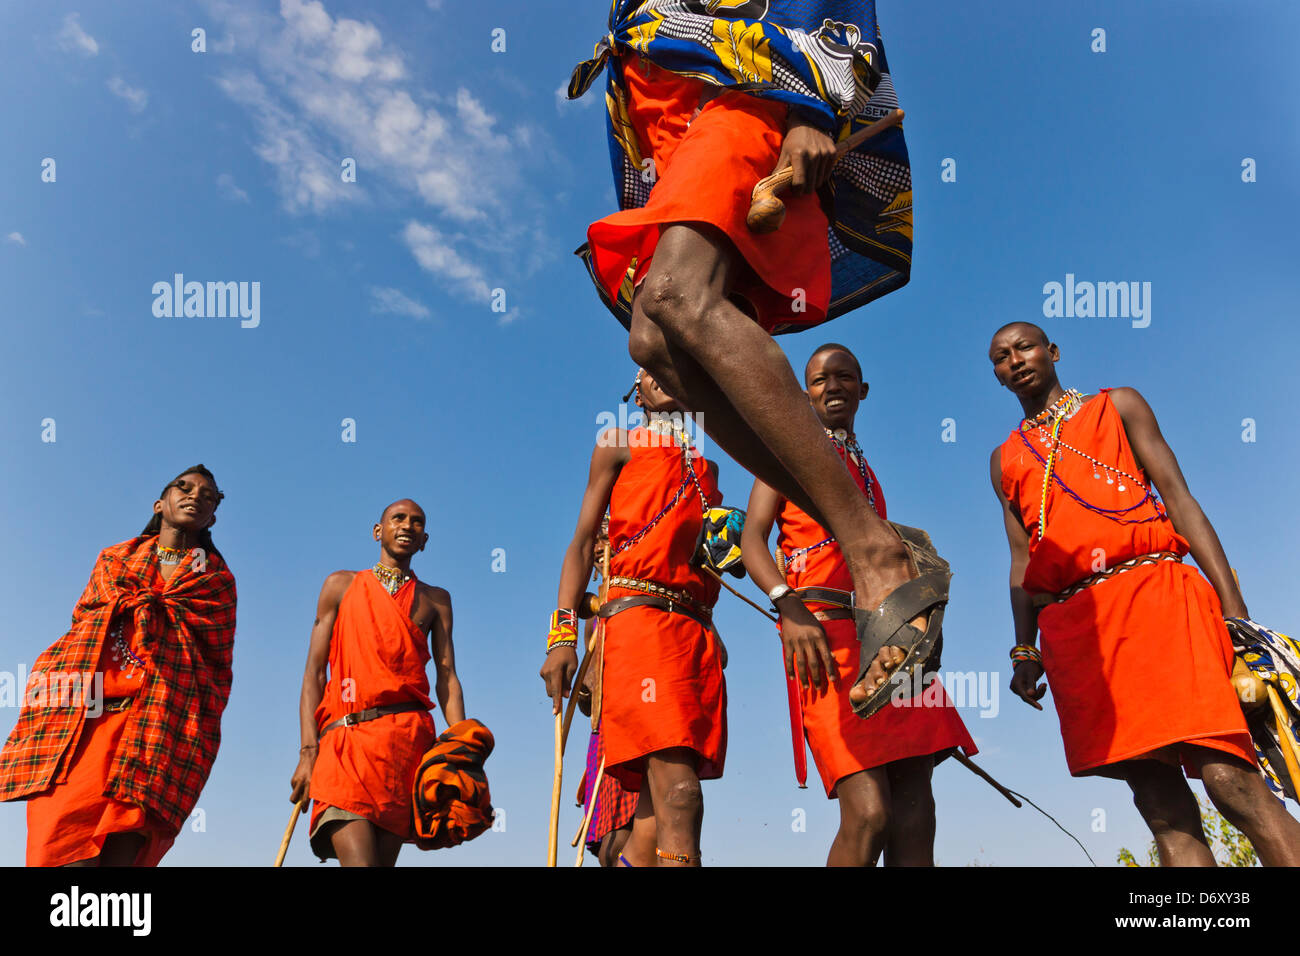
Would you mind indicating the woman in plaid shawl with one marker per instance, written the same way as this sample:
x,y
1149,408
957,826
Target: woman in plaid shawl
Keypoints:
x,y
121,717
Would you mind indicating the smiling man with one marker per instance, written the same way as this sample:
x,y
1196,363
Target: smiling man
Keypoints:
x,y
110,781
879,768
1134,643
365,722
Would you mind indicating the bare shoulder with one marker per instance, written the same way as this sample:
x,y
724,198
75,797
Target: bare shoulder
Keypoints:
x,y
435,594
337,582
1126,398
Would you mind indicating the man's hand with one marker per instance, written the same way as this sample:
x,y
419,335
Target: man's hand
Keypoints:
x,y
808,656
558,670
300,782
1024,683
810,152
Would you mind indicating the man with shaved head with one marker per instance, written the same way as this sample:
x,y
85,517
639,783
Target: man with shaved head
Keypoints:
x,y
1134,641
365,703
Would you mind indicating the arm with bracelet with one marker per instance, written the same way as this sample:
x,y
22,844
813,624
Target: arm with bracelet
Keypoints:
x,y
1026,662
607,460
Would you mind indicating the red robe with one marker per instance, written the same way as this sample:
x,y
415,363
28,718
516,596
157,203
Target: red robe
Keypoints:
x,y
705,169
1140,660
377,657
663,683
841,742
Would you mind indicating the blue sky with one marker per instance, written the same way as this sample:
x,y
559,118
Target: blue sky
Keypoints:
x,y
472,176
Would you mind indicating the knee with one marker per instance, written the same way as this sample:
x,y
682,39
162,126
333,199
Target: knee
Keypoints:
x,y
867,821
1159,809
646,345
672,305
1230,790
684,797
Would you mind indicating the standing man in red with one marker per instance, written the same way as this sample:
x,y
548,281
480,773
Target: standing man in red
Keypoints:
x,y
664,699
707,97
112,772
1133,641
365,721
878,768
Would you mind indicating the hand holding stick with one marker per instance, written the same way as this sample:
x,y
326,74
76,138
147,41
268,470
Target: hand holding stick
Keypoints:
x,y
767,211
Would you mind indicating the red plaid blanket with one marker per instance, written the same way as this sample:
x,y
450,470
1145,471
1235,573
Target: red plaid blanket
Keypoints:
x,y
174,727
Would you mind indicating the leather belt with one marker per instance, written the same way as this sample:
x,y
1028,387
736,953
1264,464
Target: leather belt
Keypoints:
x,y
370,713
618,605
1042,600
841,602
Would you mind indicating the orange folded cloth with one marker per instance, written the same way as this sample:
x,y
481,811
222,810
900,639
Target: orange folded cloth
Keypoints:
x,y
451,797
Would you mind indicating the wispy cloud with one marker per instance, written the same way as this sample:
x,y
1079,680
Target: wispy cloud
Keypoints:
x,y
17,238
229,189
136,99
395,302
73,39
321,88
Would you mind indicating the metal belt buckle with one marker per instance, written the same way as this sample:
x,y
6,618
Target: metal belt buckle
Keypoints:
x,y
350,720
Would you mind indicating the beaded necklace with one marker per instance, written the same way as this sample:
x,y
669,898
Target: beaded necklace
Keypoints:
x,y
169,556
121,651
1056,414
683,440
841,439
391,578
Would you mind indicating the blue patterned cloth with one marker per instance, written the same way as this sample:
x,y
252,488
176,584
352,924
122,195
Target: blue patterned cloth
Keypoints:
x,y
825,59
1275,659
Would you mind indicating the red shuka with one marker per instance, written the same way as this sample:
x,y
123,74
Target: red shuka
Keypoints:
x,y
377,657
705,165
1140,660
663,683
841,742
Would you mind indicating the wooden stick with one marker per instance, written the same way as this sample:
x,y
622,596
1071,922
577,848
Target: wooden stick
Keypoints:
x,y
767,212
979,771
580,841
718,577
288,832
553,847
1284,736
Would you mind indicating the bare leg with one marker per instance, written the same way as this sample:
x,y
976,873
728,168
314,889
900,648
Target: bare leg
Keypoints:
x,y
685,297
1240,794
612,845
640,846
911,832
678,804
361,843
865,815
1168,806
119,849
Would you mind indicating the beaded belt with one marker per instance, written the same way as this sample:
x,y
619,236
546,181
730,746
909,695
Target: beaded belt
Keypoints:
x,y
659,590
1042,600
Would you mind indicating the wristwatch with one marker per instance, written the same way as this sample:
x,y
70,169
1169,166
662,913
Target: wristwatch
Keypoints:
x,y
778,592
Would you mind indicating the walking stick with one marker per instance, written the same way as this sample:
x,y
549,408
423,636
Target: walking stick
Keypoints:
x,y
1285,743
580,841
979,771
288,832
767,212
553,846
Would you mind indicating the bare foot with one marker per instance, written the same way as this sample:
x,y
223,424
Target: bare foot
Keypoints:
x,y
885,663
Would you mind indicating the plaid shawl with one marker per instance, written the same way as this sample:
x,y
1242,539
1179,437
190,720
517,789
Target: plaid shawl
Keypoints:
x,y
186,634
825,58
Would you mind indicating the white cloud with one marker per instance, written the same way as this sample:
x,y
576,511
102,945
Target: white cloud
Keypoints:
x,y
136,99
16,237
230,189
320,88
437,257
395,302
72,38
